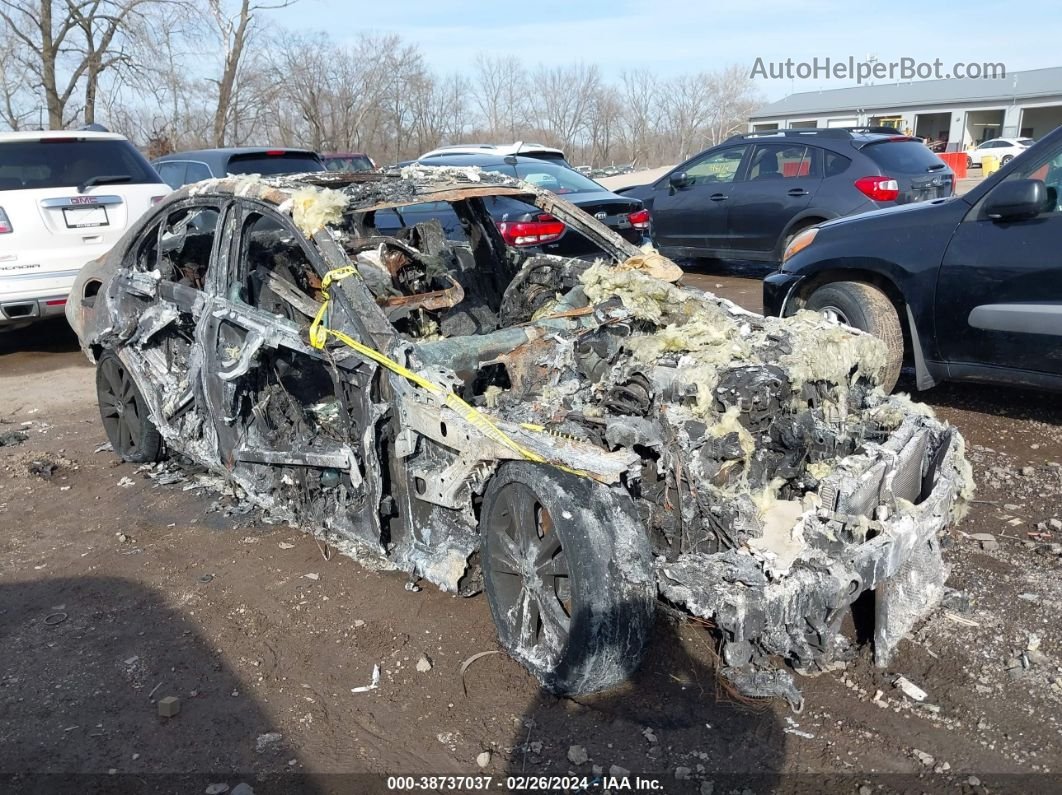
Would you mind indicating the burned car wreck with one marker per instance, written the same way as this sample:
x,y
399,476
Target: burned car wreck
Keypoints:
x,y
579,439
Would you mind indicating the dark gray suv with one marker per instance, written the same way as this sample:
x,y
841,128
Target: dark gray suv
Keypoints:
x,y
184,168
747,197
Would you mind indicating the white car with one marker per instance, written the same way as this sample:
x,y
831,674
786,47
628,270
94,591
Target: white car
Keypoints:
x,y
521,148
1004,149
66,197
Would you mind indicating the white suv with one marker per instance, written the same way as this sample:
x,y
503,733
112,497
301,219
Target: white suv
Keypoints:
x,y
65,199
1004,150
519,148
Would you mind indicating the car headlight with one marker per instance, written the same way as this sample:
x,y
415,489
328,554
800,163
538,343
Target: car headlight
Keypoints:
x,y
799,243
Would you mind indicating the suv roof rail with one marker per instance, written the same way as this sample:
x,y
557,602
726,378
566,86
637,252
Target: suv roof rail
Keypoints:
x,y
825,132
880,130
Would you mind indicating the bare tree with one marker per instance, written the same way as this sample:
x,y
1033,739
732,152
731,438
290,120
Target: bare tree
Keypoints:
x,y
65,44
452,100
685,113
104,26
303,70
175,105
640,112
732,99
404,70
135,62
365,81
235,30
603,125
501,85
565,98
16,109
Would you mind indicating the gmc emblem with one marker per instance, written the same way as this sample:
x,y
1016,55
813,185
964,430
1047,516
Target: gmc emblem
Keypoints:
x,y
82,199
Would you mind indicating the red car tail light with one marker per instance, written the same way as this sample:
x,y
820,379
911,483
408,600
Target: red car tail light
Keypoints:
x,y
541,229
639,219
879,189
5,224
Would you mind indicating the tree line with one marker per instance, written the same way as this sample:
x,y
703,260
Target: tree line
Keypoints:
x,y
181,74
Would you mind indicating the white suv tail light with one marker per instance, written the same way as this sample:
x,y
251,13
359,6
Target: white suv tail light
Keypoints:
x,y
5,224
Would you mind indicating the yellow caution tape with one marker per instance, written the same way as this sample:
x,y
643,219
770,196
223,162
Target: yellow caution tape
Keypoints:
x,y
320,332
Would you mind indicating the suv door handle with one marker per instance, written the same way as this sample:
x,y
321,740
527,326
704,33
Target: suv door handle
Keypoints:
x,y
796,192
718,197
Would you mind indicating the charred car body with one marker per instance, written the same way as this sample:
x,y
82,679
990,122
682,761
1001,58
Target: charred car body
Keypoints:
x,y
579,440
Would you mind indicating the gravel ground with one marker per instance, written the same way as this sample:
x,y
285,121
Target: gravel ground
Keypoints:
x,y
120,587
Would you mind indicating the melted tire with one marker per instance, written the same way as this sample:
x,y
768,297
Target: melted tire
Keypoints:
x,y
868,309
593,534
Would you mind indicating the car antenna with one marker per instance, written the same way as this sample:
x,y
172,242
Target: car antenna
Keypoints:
x,y
511,157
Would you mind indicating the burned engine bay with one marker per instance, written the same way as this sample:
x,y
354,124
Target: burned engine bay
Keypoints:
x,y
774,481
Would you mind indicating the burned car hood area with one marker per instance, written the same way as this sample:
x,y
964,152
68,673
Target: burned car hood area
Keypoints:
x,y
579,439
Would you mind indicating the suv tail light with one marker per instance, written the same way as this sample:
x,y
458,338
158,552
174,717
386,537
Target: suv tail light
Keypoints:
x,y
5,224
541,229
879,189
157,199
639,219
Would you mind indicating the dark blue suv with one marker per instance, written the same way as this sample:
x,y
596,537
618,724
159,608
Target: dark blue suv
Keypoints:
x,y
746,198
966,288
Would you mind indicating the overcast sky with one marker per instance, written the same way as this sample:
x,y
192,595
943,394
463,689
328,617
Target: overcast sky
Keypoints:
x,y
674,36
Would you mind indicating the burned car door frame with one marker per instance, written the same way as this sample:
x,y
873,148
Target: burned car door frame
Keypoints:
x,y
290,420
161,292
157,282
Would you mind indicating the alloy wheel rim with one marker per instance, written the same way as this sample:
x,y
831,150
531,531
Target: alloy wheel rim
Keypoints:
x,y
834,314
120,408
530,572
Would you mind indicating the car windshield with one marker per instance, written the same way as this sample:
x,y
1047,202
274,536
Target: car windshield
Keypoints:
x,y
70,162
352,163
282,163
903,157
556,179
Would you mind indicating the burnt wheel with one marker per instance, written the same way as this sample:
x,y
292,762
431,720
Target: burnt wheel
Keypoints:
x,y
567,572
125,416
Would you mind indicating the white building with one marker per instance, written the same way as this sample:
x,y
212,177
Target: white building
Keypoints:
x,y
963,112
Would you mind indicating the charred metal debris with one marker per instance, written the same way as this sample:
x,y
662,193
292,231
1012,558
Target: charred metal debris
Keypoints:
x,y
774,482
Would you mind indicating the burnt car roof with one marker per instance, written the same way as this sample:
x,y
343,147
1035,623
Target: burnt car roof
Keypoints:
x,y
368,190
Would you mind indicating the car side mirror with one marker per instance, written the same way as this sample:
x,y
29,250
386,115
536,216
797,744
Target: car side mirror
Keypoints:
x,y
679,179
1016,200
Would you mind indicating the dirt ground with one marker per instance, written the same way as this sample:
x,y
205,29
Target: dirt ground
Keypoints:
x,y
118,589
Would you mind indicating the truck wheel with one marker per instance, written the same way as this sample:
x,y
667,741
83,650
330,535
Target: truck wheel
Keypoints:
x,y
125,416
868,309
567,571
